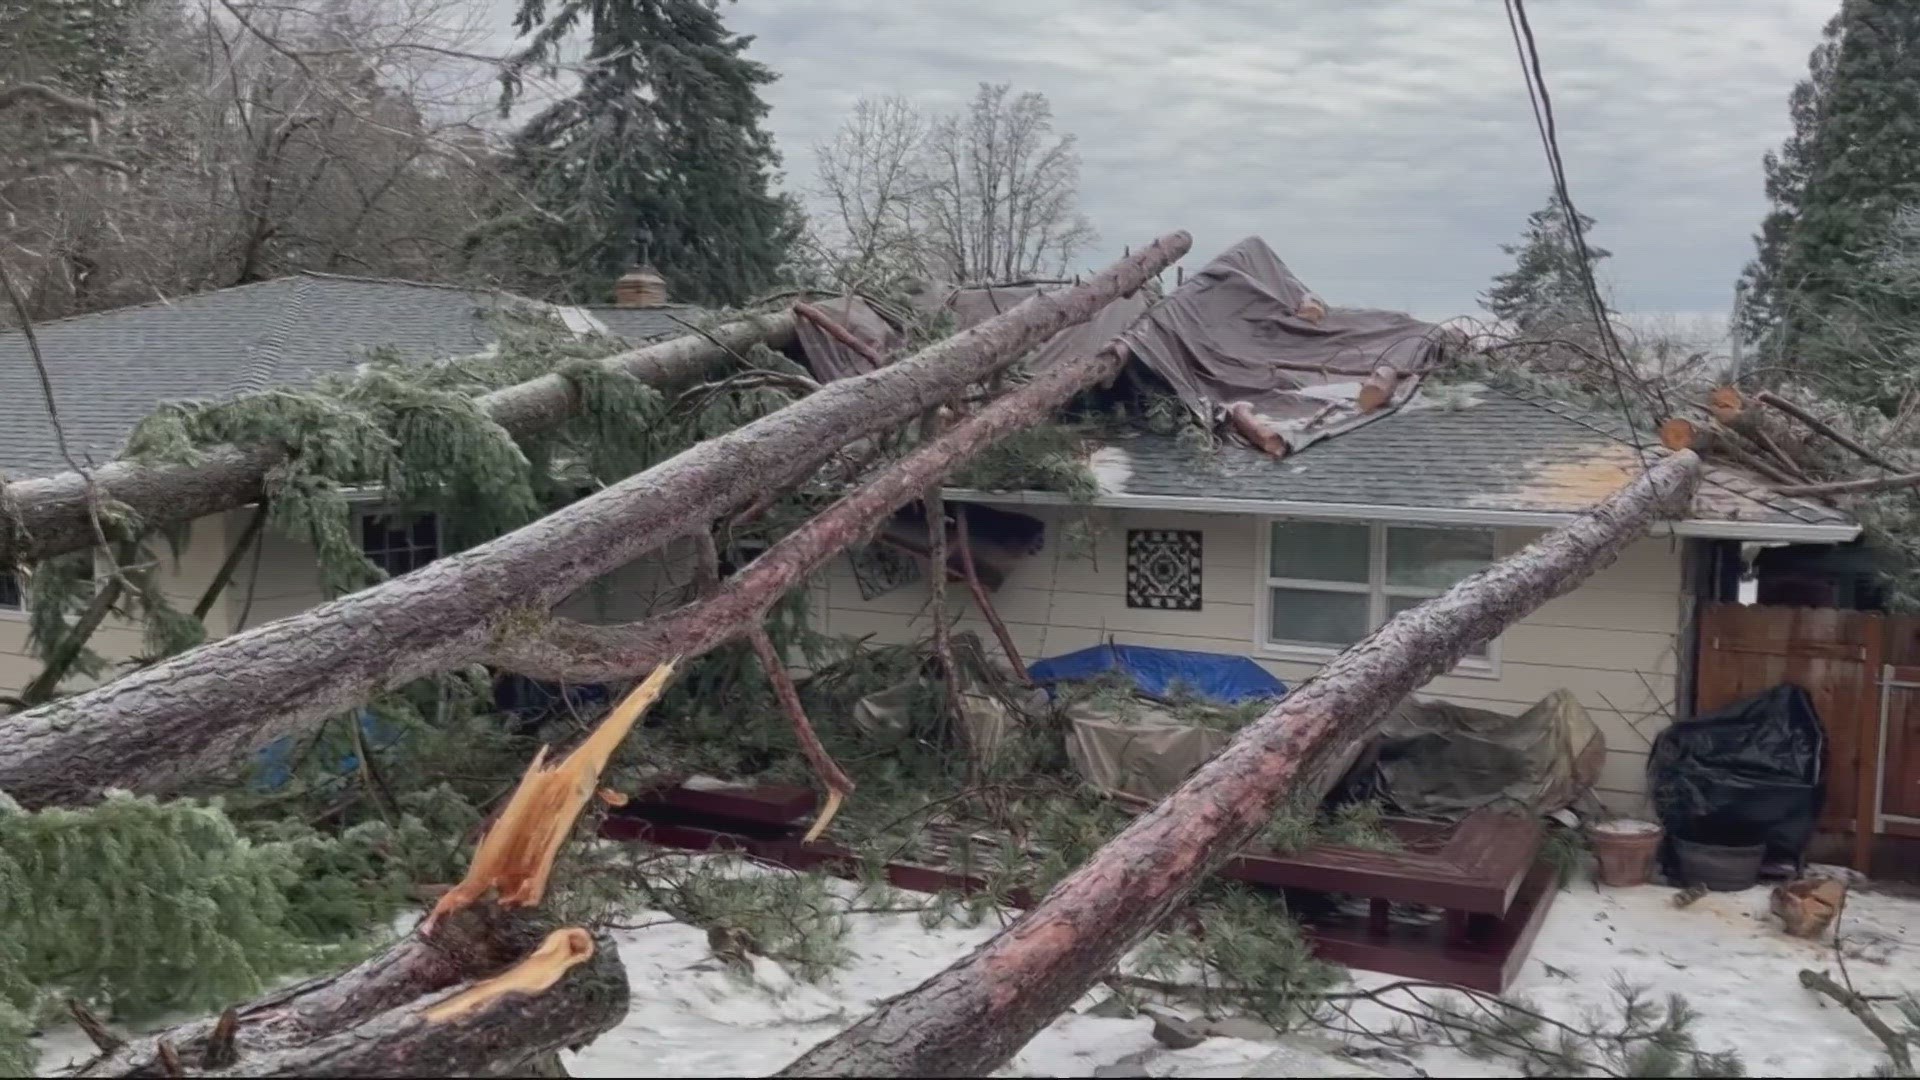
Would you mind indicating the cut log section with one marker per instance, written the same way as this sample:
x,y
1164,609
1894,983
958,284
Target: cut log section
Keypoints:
x,y
1377,390
971,1018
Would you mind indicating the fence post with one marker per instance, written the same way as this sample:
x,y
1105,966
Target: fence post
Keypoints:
x,y
1867,763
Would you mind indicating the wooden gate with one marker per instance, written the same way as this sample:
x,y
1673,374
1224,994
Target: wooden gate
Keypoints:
x,y
1862,670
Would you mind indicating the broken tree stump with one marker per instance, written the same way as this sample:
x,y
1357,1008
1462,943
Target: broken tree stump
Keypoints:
x,y
487,986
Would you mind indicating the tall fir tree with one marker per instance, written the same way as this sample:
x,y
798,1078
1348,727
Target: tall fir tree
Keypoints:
x,y
1839,180
659,154
1545,288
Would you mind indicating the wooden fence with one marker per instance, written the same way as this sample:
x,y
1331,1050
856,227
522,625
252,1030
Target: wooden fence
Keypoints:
x,y
1862,670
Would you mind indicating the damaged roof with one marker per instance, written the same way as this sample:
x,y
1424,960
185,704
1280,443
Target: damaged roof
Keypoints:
x,y
111,369
1465,454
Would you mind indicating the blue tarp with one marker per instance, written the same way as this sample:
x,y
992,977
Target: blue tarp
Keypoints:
x,y
275,761
1157,672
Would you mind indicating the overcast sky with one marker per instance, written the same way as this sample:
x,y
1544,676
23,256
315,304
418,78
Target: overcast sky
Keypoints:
x,y
1384,148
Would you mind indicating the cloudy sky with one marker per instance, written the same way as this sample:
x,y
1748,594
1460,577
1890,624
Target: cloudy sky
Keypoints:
x,y
1385,148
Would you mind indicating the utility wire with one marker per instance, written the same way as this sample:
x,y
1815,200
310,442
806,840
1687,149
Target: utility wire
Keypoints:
x,y
1530,68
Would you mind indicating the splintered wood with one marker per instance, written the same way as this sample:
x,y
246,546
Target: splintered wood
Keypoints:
x,y
563,950
516,856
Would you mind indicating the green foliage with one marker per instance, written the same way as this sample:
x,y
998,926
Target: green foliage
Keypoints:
x,y
1567,850
1645,1037
1045,457
148,906
660,153
1837,185
1249,954
794,918
18,1057
1545,291
1295,828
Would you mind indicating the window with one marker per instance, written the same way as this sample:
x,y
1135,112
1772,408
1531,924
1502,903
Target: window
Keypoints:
x,y
398,544
1329,584
13,597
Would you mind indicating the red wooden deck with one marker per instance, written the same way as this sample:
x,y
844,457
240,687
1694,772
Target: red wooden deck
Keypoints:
x,y
1483,873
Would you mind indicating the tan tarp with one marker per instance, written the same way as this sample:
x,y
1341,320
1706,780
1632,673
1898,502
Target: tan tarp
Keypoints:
x,y
991,705
891,713
1146,754
976,305
827,358
1245,331
1438,759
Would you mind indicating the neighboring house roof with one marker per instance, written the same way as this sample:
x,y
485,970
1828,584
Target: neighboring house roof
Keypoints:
x,y
110,369
1466,455
645,324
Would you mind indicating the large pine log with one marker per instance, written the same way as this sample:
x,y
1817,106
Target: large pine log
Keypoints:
x,y
162,727
972,1017
49,514
562,650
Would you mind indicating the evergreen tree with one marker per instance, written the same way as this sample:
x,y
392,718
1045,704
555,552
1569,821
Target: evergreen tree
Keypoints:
x,y
1839,180
659,154
1545,288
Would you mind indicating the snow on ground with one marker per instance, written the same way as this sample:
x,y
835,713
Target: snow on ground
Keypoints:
x,y
1732,962
692,1016
1724,953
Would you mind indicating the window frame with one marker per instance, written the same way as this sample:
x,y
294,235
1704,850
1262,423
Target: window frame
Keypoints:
x,y
20,612
377,510
1378,592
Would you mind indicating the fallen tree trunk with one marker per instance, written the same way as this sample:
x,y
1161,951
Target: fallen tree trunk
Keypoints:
x,y
487,986
163,726
971,1018
566,651
49,514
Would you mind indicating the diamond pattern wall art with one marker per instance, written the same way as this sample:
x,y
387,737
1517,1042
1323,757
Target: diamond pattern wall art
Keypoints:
x,y
1163,569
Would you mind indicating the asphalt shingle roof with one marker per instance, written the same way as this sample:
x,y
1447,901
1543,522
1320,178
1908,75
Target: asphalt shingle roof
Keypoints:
x,y
110,369
1467,447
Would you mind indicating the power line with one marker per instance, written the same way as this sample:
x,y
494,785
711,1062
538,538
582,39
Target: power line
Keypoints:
x,y
1530,69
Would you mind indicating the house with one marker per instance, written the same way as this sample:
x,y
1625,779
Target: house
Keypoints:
x,y
1229,551
109,370
1223,550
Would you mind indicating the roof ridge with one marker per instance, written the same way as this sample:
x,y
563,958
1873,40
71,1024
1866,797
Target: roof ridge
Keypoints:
x,y
1720,476
326,275
157,302
258,374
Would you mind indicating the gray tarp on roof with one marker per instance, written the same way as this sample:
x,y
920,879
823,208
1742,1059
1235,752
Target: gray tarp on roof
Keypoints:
x,y
972,306
827,358
1244,330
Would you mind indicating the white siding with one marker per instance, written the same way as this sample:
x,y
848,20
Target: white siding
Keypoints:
x,y
1614,641
286,581
184,579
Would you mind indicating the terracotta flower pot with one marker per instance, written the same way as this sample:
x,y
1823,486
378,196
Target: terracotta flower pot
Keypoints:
x,y
1625,848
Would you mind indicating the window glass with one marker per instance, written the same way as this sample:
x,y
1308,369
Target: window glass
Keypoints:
x,y
1320,551
1436,558
1312,617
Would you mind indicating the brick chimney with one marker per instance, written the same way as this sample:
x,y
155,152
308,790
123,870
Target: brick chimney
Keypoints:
x,y
640,287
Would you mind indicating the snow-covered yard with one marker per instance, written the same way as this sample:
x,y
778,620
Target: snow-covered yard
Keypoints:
x,y
693,1016
1724,952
